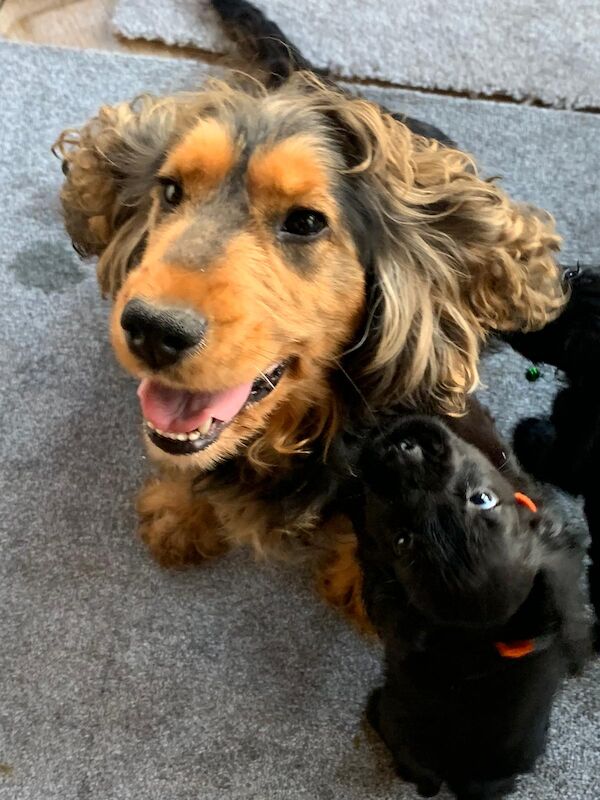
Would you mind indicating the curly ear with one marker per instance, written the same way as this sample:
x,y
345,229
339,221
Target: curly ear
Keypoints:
x,y
450,257
110,166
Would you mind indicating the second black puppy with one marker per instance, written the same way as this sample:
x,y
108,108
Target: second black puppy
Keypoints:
x,y
564,448
476,595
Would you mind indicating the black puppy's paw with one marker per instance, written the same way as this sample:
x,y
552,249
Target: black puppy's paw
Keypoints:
x,y
372,710
426,788
533,441
426,783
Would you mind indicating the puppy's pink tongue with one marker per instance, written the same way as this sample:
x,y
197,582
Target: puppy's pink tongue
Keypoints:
x,y
179,411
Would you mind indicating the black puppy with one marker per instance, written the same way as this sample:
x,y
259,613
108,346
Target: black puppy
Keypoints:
x,y
476,595
564,449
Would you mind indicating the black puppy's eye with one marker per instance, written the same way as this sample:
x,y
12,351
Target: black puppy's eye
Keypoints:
x,y
402,541
171,191
484,499
304,223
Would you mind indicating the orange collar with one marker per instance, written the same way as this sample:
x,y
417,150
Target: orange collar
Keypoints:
x,y
523,500
518,648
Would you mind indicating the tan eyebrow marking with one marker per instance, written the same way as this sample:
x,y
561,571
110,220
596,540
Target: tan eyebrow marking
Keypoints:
x,y
204,156
290,168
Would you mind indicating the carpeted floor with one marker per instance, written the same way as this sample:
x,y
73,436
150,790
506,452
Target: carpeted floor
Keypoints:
x,y
524,49
119,681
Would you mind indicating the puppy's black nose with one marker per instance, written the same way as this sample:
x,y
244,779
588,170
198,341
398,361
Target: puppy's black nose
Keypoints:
x,y
160,336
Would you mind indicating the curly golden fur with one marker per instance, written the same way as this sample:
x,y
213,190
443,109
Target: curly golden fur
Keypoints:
x,y
422,260
110,165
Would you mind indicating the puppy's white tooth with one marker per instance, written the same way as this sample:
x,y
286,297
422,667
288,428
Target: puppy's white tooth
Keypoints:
x,y
193,436
205,427
160,433
150,425
181,437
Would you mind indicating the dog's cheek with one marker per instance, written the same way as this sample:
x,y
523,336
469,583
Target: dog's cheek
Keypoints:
x,y
318,308
341,291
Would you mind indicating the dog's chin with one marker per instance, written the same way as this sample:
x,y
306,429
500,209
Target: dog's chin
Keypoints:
x,y
216,439
466,604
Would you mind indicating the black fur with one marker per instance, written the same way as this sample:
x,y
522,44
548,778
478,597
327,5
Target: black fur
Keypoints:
x,y
564,448
266,46
262,41
443,582
326,485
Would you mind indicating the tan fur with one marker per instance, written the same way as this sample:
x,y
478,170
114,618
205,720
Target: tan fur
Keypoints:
x,y
339,578
203,157
456,259
179,527
289,169
183,527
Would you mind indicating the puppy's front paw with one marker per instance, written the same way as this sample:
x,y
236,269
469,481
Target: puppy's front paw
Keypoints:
x,y
426,782
179,527
428,789
596,638
372,710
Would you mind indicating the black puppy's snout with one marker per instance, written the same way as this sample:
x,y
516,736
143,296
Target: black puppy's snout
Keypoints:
x,y
421,440
160,335
413,453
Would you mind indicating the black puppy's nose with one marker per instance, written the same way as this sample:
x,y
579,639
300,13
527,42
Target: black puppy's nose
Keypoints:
x,y
160,336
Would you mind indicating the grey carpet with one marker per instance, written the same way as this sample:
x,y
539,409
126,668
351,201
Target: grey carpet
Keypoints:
x,y
522,48
119,681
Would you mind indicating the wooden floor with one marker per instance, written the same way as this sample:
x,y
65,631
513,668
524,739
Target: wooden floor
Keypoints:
x,y
74,23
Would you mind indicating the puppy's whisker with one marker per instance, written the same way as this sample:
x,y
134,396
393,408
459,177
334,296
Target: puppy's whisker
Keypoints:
x,y
267,379
504,465
358,392
366,331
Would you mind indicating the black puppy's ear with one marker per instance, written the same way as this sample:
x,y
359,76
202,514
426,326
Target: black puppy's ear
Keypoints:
x,y
569,342
564,570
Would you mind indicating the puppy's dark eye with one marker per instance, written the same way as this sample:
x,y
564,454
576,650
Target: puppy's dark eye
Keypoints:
x,y
402,541
171,192
305,223
484,499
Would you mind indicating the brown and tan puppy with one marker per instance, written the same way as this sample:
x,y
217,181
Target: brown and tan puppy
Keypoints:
x,y
281,261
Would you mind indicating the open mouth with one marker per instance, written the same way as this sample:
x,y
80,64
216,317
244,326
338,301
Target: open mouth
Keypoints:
x,y
182,422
